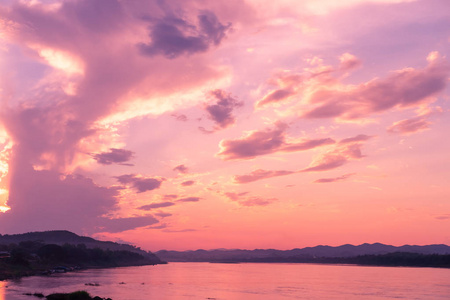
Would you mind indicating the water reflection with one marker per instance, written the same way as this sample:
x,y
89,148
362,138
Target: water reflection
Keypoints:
x,y
242,281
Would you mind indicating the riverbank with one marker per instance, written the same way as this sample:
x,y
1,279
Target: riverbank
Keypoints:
x,y
11,271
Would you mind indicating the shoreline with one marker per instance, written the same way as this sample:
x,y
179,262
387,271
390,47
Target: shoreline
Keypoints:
x,y
9,274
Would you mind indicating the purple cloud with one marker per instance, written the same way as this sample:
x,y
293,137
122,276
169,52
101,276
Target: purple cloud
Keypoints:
x,y
275,96
45,198
118,156
266,142
346,150
409,126
188,183
259,175
181,169
356,139
163,214
156,205
189,199
172,36
170,197
402,89
221,111
140,184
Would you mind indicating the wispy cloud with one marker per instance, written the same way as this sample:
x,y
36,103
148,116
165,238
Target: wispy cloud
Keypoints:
x,y
259,175
409,126
346,150
334,179
189,199
258,143
156,205
244,199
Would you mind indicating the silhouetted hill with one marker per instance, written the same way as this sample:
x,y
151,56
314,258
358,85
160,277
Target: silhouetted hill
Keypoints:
x,y
343,251
60,251
61,237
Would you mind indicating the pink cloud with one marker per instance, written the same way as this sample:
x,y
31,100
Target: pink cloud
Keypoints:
x,y
259,175
409,126
349,62
334,179
73,202
356,139
402,89
235,196
245,200
259,143
345,151
324,95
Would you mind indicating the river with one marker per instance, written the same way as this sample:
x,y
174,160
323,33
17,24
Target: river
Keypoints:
x,y
249,281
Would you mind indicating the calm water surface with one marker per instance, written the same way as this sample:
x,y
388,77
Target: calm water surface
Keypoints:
x,y
242,281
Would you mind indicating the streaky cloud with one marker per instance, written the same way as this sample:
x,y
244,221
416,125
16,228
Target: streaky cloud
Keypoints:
x,y
259,175
259,143
334,179
156,205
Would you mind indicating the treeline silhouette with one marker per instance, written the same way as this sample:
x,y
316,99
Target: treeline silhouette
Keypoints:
x,y
404,259
32,257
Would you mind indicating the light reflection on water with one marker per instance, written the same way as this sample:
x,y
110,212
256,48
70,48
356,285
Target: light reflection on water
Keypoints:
x,y
242,281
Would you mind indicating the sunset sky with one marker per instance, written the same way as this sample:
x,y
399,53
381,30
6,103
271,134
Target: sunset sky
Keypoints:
x,y
174,124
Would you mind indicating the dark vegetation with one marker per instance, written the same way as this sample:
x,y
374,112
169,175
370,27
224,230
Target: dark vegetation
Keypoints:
x,y
366,254
396,259
38,257
308,252
78,295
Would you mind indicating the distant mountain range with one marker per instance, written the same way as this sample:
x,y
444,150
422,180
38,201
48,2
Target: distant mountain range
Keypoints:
x,y
61,237
260,255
